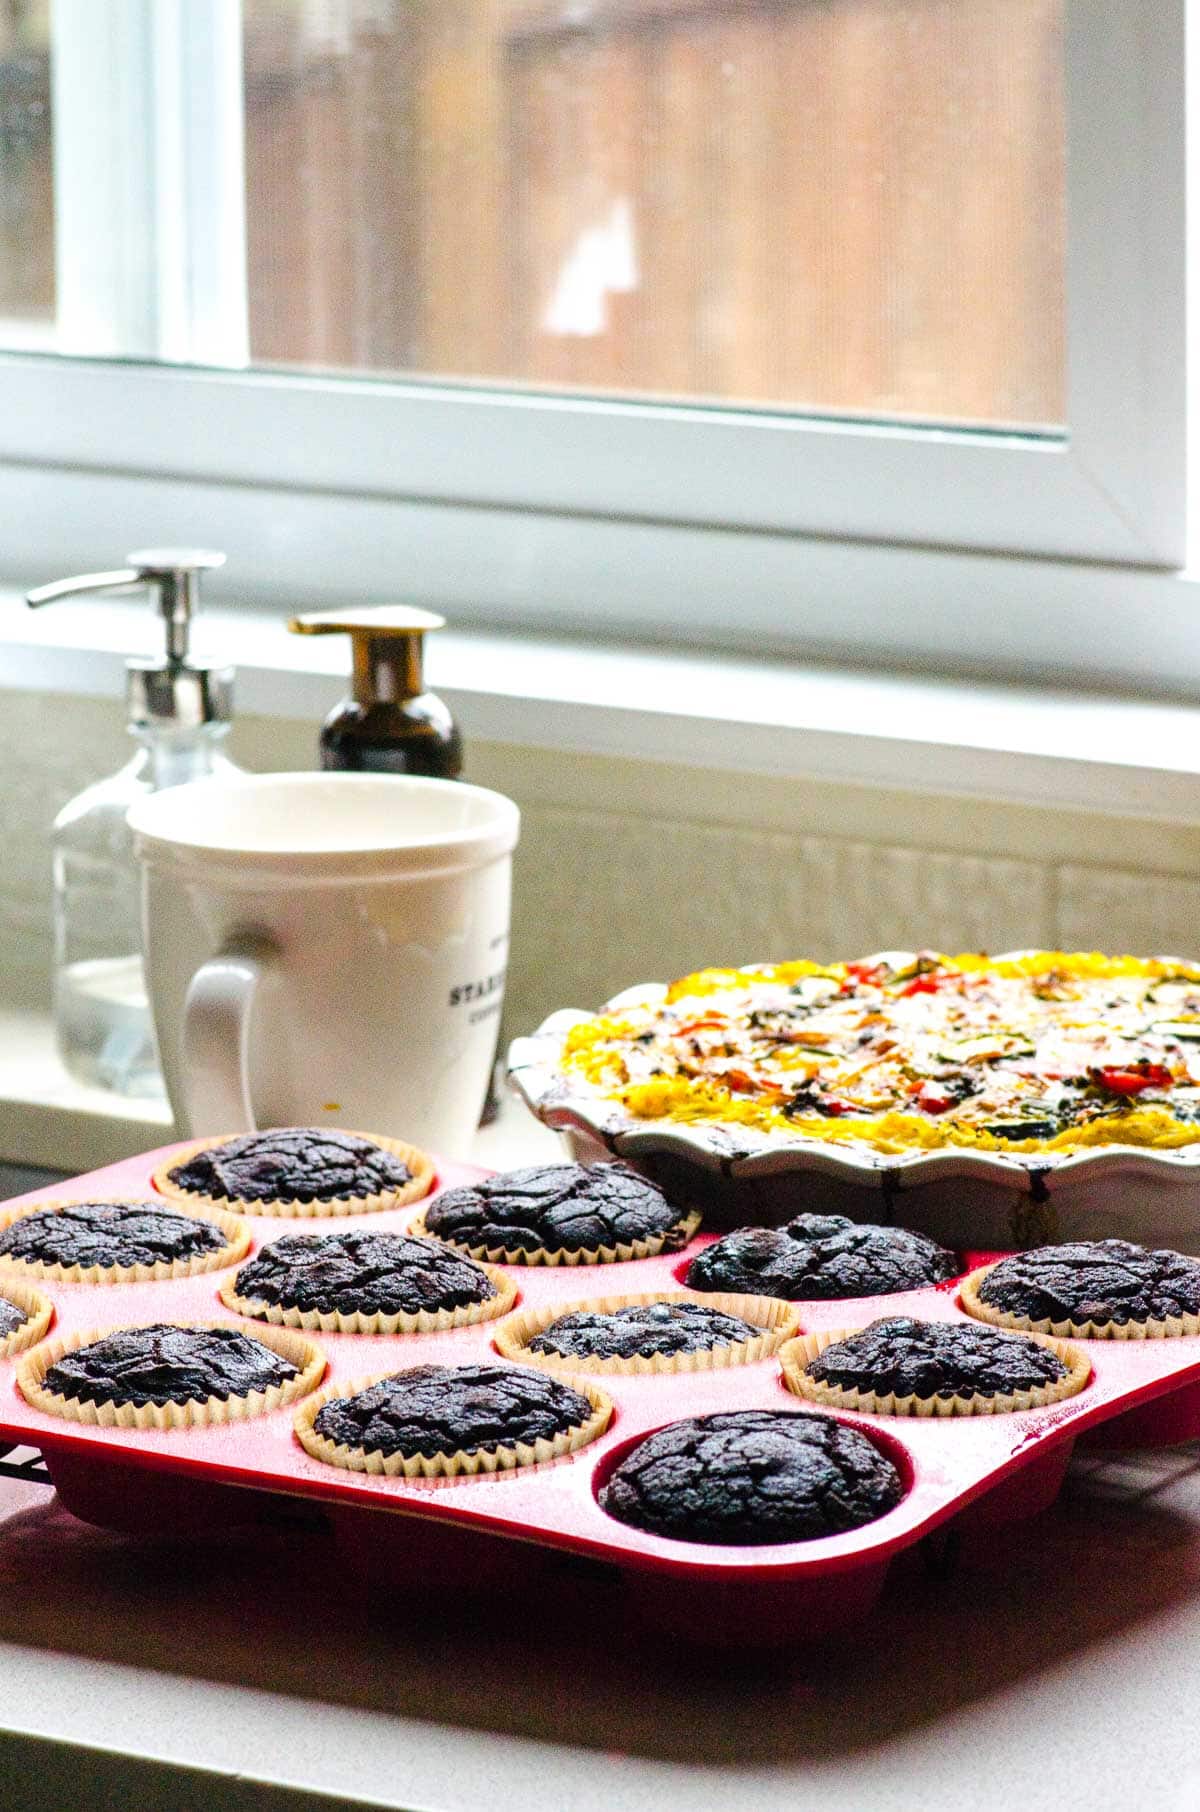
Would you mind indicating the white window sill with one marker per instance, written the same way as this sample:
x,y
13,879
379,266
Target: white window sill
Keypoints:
x,y
1073,750
49,1120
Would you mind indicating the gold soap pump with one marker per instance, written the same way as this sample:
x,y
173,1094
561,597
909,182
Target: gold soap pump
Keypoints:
x,y
390,724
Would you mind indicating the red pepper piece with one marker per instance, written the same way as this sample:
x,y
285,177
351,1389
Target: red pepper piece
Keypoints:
x,y
1133,1081
742,1084
864,972
933,1099
923,984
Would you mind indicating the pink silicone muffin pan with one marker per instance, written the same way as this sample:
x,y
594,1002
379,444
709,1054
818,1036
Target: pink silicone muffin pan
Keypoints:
x,y
985,1468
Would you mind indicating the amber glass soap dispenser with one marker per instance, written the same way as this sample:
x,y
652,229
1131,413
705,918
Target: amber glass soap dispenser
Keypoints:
x,y
390,724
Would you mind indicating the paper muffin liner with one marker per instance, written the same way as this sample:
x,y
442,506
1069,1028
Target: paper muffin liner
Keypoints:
x,y
332,1321
674,1239
1171,1327
37,1309
444,1465
798,1353
31,1373
778,1320
418,1162
237,1244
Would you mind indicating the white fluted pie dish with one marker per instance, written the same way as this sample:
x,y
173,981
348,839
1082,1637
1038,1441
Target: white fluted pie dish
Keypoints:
x,y
982,1199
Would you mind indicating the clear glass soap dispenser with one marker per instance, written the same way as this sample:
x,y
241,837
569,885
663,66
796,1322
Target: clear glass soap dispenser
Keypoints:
x,y
179,714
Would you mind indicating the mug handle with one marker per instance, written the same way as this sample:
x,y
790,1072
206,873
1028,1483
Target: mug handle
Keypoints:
x,y
216,1038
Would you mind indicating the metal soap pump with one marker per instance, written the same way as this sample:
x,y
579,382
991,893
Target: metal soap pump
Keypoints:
x,y
390,725
179,714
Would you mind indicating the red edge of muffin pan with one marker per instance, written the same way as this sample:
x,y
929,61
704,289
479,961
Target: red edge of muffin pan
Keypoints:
x,y
978,1470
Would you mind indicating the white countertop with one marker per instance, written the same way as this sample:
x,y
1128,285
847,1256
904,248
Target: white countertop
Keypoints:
x,y
1060,1660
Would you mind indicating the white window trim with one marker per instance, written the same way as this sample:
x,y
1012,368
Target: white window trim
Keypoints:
x,y
936,609
150,236
585,512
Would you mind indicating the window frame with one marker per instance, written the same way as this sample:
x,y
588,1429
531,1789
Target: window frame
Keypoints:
x,y
150,237
169,447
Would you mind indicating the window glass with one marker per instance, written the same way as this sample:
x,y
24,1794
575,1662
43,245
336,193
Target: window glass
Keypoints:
x,y
26,176
853,207
847,206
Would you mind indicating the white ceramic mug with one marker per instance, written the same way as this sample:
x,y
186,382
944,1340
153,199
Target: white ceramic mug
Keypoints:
x,y
327,949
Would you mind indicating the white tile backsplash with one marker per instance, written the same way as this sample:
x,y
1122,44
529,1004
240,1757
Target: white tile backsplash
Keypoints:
x,y
1109,908
851,898
605,899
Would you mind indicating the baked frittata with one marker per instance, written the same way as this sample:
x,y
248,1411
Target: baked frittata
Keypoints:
x,y
1044,1050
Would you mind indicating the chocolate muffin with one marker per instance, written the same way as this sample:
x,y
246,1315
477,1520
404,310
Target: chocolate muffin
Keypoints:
x,y
112,1236
361,1272
298,1169
1101,1283
25,1316
452,1409
750,1477
165,1364
559,1208
11,1318
903,1357
642,1330
820,1258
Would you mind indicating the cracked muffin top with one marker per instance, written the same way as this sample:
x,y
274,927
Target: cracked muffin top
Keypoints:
x,y
363,1271
165,1364
1107,1280
292,1164
821,1258
109,1235
751,1477
11,1318
556,1207
910,1358
642,1330
446,1409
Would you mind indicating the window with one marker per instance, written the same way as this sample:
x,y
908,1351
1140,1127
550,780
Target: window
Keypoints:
x,y
851,207
26,179
462,289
